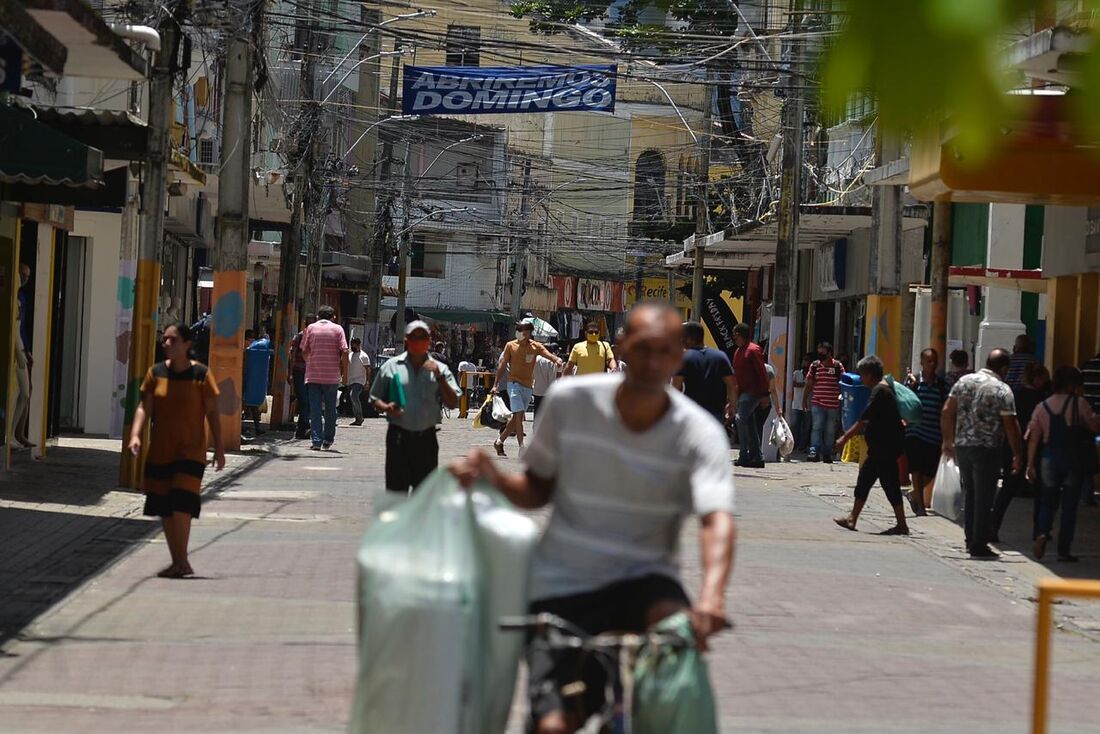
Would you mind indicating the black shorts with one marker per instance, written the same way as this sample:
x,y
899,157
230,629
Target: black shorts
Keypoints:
x,y
175,500
924,457
620,607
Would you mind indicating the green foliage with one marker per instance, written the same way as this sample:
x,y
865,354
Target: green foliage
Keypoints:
x,y
924,59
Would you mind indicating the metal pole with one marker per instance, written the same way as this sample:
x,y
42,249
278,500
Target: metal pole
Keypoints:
x,y
941,267
403,247
153,200
521,243
231,263
290,252
702,209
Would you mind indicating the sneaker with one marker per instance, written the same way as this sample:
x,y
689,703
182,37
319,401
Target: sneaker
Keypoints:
x,y
984,552
315,447
753,464
812,456
826,459
326,446
357,422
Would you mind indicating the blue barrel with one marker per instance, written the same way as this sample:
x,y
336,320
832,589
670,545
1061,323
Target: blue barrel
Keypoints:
x,y
853,399
257,359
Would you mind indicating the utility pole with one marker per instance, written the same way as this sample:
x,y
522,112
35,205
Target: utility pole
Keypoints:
x,y
383,220
313,216
521,243
403,247
290,251
941,271
702,209
231,262
783,332
153,200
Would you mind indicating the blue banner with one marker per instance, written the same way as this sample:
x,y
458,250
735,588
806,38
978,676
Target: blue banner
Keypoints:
x,y
472,90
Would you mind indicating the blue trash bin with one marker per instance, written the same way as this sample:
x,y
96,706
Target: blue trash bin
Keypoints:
x,y
853,399
257,361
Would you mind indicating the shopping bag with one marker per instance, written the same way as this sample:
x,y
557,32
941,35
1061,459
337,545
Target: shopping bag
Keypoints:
x,y
672,692
501,413
782,437
435,573
947,494
908,402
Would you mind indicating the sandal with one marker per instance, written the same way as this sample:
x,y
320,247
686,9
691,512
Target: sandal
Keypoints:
x,y
846,523
917,507
896,530
499,446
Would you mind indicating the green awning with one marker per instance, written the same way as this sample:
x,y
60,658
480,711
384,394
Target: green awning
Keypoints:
x,y
464,316
32,153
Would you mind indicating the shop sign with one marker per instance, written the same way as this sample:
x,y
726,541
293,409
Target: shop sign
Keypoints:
x,y
830,270
566,286
656,289
593,295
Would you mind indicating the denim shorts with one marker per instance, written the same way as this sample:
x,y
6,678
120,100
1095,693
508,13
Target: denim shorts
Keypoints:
x,y
519,397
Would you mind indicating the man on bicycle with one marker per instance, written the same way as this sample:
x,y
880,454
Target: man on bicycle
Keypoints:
x,y
623,458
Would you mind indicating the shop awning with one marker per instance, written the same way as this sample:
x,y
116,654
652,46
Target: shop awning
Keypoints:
x,y
119,134
32,153
1031,281
464,316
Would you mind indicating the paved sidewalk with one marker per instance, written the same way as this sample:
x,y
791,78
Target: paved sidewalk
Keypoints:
x,y
836,631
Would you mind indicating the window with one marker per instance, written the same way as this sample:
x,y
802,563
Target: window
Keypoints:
x,y
649,187
427,257
466,175
207,152
463,45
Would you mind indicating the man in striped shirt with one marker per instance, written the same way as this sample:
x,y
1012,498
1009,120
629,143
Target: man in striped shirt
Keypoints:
x,y
924,440
1023,354
822,399
325,349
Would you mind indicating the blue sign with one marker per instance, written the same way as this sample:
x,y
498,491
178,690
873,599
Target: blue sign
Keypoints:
x,y
473,90
11,64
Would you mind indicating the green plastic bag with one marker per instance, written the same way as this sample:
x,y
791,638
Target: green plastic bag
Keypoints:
x,y
672,693
908,402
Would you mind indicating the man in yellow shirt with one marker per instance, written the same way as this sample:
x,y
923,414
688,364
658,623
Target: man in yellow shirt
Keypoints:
x,y
593,355
518,360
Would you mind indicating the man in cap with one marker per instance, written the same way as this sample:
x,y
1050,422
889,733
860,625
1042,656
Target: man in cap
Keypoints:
x,y
518,360
409,389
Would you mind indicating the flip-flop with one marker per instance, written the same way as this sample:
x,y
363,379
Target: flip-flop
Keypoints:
x,y
171,573
895,531
845,523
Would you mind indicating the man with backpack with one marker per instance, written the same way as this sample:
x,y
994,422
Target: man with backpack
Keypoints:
x,y
822,399
978,414
1060,451
593,355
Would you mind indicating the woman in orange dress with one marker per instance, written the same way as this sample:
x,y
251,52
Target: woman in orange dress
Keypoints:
x,y
179,397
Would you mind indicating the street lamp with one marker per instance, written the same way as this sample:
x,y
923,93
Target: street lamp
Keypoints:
x,y
391,118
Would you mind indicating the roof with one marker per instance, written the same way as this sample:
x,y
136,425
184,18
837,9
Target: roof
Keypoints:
x,y
33,153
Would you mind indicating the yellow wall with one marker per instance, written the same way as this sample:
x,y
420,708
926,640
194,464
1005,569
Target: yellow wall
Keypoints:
x,y
883,333
1073,321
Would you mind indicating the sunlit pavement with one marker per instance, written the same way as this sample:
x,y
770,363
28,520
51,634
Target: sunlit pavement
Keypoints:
x,y
836,631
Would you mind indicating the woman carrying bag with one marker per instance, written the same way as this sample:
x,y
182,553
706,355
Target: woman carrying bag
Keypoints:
x,y
1060,452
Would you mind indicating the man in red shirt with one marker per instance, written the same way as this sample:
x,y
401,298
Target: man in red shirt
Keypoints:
x,y
822,395
326,351
750,389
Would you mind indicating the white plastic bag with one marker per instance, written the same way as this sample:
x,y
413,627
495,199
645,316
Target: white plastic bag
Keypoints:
x,y
500,410
782,437
947,494
435,573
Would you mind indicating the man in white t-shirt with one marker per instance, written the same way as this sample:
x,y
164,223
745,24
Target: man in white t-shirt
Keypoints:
x,y
623,459
358,376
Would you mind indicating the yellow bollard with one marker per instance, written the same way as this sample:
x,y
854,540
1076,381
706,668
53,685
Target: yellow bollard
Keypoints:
x,y
1050,590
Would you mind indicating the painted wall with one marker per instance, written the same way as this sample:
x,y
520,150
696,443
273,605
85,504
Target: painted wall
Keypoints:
x,y
97,385
1064,242
469,279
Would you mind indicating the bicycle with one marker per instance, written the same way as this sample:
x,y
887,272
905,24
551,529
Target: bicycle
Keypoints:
x,y
616,652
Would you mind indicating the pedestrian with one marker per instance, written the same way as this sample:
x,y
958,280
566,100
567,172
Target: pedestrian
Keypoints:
x,y
1060,438
545,374
800,417
256,363
881,426
439,354
1034,390
359,369
518,360
706,375
179,401
593,355
297,377
609,558
960,365
751,378
1090,373
326,351
1023,354
24,361
822,399
979,413
924,440
409,390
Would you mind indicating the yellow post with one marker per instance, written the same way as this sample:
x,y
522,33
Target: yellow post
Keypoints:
x,y
227,350
1042,663
143,334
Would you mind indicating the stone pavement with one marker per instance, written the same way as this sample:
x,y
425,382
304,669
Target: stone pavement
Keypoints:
x,y
836,631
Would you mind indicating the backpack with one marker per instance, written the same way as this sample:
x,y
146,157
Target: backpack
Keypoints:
x,y
1069,443
908,402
